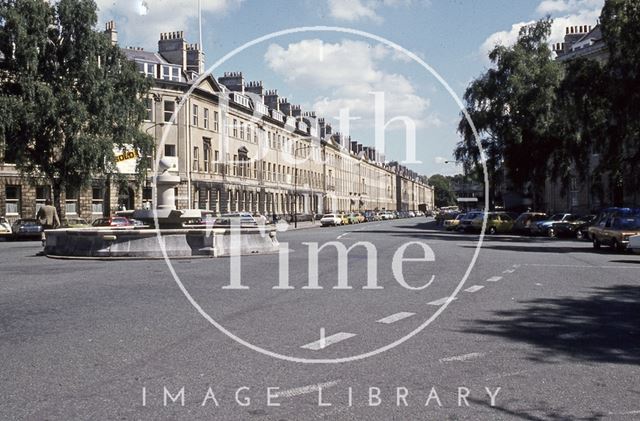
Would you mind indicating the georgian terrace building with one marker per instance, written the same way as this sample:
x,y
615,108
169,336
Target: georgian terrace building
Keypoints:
x,y
236,147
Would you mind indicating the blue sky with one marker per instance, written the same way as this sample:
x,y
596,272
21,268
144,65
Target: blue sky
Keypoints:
x,y
327,72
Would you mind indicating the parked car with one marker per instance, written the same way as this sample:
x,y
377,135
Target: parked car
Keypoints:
x,y
577,228
360,217
75,223
547,226
26,228
370,216
344,218
243,219
330,219
5,227
465,223
353,218
452,224
497,222
524,222
114,221
614,231
634,243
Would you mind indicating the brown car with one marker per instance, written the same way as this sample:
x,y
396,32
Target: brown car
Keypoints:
x,y
614,231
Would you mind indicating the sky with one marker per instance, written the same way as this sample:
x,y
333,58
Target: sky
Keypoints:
x,y
329,71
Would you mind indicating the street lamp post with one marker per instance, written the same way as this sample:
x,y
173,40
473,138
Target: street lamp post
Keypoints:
x,y
295,185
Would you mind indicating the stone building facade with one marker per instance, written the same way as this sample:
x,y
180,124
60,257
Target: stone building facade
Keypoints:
x,y
236,147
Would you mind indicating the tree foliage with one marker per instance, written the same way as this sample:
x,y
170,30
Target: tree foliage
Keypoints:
x,y
511,105
443,190
620,150
68,96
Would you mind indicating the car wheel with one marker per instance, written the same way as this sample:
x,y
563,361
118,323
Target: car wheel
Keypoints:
x,y
616,246
596,244
551,233
492,230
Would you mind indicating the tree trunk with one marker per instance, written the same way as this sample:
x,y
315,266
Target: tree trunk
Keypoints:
x,y
57,194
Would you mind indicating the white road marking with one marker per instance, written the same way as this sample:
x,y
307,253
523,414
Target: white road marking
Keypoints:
x,y
501,375
474,288
625,413
395,317
341,235
464,357
440,301
494,279
329,340
305,389
508,271
516,266
585,266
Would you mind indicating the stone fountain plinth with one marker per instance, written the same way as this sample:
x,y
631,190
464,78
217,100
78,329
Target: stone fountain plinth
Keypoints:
x,y
170,238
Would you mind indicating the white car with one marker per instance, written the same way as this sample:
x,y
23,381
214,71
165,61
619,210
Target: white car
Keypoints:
x,y
634,243
330,219
5,227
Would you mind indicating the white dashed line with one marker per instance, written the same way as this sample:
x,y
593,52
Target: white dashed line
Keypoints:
x,y
464,357
305,389
329,340
341,235
395,317
509,271
441,301
474,288
584,266
494,279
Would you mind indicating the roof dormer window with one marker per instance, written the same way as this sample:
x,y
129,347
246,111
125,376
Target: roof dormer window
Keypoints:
x,y
171,73
147,69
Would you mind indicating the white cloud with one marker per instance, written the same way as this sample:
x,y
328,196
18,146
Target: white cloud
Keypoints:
x,y
564,13
567,6
140,22
346,73
353,10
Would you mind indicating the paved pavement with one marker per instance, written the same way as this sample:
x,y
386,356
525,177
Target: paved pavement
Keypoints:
x,y
551,323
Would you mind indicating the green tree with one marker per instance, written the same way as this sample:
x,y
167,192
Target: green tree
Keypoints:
x,y
620,150
67,96
582,109
512,107
443,192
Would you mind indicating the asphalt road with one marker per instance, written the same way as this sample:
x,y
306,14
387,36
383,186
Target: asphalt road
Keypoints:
x,y
551,323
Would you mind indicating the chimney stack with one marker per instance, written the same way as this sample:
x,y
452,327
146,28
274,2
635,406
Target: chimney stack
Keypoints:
x,y
173,48
111,32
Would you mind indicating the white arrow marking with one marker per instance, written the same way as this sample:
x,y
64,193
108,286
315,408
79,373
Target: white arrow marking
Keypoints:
x,y
327,341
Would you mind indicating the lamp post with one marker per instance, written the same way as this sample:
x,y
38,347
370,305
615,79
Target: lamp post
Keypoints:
x,y
295,185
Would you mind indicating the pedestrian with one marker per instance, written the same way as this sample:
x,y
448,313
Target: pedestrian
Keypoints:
x,y
275,218
48,217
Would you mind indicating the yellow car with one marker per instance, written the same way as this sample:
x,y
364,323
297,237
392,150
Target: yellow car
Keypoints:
x,y
345,218
497,222
452,224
